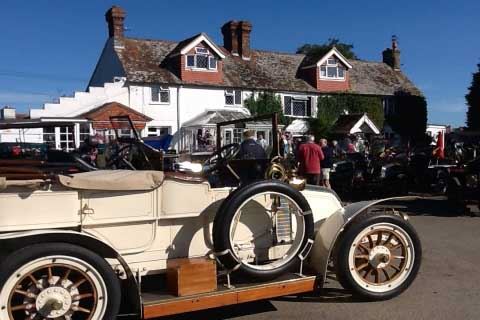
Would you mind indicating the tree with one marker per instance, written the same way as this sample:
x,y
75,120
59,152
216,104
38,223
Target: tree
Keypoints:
x,y
473,102
266,102
329,109
410,120
319,50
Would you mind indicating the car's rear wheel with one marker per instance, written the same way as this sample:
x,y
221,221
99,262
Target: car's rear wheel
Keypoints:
x,y
262,229
378,257
58,281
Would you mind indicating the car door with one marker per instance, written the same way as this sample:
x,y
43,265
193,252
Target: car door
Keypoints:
x,y
124,219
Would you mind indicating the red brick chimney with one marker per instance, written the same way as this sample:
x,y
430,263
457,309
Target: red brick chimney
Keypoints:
x,y
244,30
230,36
115,17
391,56
236,38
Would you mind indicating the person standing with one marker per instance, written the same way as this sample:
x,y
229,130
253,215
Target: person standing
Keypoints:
x,y
249,148
284,152
262,142
327,162
309,156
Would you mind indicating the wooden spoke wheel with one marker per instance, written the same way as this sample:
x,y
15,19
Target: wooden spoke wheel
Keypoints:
x,y
72,283
379,256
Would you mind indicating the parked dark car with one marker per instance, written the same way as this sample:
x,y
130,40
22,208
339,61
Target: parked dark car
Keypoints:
x,y
463,188
359,176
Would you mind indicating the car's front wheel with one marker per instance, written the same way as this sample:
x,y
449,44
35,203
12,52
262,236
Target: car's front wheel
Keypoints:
x,y
379,256
57,281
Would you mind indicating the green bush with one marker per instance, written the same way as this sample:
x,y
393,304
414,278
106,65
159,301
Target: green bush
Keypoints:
x,y
265,103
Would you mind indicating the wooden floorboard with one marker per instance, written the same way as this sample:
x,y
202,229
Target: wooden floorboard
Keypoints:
x,y
170,306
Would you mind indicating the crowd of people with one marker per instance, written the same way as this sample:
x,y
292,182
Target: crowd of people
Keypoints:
x,y
314,160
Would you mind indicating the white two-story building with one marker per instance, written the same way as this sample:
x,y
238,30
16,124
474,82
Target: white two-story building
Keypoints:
x,y
180,86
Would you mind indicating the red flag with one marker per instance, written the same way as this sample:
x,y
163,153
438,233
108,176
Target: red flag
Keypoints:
x,y
439,150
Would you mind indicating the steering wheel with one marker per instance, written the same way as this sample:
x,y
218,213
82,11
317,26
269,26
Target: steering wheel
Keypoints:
x,y
120,160
221,156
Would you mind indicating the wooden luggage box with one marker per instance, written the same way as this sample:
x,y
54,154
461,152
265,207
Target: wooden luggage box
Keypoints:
x,y
191,276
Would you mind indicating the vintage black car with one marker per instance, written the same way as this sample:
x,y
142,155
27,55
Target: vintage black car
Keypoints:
x,y
359,176
463,186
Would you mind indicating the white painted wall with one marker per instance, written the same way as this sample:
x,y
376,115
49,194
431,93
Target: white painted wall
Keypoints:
x,y
22,135
164,114
194,101
186,102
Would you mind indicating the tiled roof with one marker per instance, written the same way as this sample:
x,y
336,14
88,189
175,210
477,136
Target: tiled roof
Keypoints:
x,y
114,109
148,61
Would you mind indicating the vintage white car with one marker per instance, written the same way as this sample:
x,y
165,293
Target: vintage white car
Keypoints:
x,y
96,245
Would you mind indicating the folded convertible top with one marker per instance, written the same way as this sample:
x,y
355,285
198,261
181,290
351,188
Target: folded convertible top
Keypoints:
x,y
114,180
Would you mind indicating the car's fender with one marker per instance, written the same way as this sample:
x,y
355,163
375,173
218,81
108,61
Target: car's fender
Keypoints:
x,y
331,229
130,288
456,181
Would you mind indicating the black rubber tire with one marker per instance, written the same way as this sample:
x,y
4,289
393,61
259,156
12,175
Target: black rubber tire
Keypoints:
x,y
23,256
225,215
342,268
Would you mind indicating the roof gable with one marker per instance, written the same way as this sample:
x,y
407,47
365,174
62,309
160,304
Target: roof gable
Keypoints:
x,y
334,52
354,123
202,37
109,109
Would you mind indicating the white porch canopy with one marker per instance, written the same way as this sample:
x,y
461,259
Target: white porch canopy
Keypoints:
x,y
205,126
298,127
355,123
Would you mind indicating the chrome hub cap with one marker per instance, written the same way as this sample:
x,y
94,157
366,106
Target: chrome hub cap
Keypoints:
x,y
54,302
379,257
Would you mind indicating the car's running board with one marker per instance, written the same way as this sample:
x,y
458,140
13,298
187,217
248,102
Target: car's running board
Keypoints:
x,y
224,297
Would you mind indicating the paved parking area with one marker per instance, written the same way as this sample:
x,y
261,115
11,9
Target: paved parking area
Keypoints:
x,y
447,287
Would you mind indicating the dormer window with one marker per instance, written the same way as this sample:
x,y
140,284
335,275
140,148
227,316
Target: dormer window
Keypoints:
x,y
332,69
201,60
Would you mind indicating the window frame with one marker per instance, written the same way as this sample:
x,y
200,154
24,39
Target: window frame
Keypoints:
x,y
305,99
67,138
47,135
237,135
210,57
157,129
84,131
233,93
124,133
160,90
327,64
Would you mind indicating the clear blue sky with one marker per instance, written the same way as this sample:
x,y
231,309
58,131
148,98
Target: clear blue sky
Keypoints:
x,y
50,48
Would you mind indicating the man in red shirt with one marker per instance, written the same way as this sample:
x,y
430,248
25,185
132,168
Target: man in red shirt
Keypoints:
x,y
309,156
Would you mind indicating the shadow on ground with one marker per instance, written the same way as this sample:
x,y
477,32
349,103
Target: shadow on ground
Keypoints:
x,y
431,206
326,295
229,312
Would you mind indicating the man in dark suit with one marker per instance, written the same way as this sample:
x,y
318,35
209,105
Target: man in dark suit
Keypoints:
x,y
249,148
